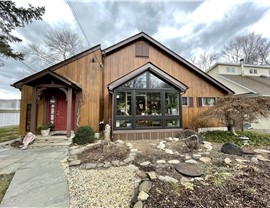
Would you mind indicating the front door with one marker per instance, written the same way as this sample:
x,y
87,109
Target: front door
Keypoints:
x,y
57,110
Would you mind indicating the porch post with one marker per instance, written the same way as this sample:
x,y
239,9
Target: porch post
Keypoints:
x,y
34,111
69,111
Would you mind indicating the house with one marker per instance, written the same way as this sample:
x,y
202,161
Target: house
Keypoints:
x,y
138,86
245,80
9,112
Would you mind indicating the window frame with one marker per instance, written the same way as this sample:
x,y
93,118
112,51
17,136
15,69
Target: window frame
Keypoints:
x,y
133,118
200,101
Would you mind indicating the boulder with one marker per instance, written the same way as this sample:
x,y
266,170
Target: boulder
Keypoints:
x,y
232,149
191,170
248,151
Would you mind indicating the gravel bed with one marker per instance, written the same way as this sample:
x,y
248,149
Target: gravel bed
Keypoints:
x,y
112,187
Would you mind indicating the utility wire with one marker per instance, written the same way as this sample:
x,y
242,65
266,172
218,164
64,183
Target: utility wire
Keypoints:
x,y
80,26
78,22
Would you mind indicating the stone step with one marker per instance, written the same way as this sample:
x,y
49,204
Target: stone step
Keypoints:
x,y
53,140
42,145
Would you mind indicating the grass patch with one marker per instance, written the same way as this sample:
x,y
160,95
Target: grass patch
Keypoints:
x,y
255,139
4,183
9,133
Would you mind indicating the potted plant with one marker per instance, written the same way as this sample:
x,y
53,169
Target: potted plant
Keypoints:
x,y
173,108
46,128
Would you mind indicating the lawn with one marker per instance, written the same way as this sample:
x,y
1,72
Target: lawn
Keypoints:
x,y
9,133
4,183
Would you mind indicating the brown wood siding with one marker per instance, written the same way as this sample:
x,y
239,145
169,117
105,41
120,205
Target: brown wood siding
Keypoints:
x,y
124,60
26,98
88,75
147,134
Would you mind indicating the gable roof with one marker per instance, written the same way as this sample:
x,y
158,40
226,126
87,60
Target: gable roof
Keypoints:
x,y
256,85
148,67
47,75
146,37
25,80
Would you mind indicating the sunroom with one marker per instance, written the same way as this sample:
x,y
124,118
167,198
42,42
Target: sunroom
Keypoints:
x,y
146,100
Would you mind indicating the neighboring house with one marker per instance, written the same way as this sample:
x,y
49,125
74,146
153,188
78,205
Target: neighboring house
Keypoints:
x,y
138,86
9,112
245,79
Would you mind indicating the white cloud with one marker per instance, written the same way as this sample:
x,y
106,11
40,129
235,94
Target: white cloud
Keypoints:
x,y
261,27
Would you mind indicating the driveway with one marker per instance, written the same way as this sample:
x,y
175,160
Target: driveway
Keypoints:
x,y
39,179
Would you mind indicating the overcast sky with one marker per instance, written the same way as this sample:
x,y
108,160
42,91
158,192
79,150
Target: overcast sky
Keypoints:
x,y
186,27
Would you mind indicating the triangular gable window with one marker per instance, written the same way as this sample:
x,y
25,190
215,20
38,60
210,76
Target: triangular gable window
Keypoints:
x,y
147,80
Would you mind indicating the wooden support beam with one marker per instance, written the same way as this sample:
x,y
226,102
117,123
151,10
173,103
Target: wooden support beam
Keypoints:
x,y
69,111
34,111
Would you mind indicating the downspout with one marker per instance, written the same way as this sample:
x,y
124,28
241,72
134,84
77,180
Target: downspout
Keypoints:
x,y
102,122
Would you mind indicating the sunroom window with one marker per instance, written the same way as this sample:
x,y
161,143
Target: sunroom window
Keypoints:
x,y
147,102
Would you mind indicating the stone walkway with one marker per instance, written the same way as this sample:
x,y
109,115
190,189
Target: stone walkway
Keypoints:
x,y
39,179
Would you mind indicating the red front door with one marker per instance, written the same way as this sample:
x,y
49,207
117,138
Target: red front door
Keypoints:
x,y
57,110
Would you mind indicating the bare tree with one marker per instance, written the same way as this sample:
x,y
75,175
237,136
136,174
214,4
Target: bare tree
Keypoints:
x,y
234,111
56,47
253,48
205,60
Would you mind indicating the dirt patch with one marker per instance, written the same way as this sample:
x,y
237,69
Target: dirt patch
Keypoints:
x,y
102,153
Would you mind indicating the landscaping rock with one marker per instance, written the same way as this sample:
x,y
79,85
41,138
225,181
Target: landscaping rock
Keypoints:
x,y
133,167
168,151
74,162
134,150
205,159
107,164
143,196
190,170
128,160
191,161
100,165
188,185
139,204
129,145
188,157
196,156
146,163
152,175
261,158
161,161
141,174
173,161
227,160
161,146
116,163
261,151
248,151
255,160
119,141
241,160
167,179
90,166
145,186
232,149
175,139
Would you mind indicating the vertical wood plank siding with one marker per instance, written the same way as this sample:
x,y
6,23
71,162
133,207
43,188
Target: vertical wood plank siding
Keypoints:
x,y
124,60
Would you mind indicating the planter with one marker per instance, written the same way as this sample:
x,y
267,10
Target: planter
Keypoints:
x,y
45,132
174,111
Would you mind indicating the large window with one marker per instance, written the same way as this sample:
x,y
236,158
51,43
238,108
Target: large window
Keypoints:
x,y
147,102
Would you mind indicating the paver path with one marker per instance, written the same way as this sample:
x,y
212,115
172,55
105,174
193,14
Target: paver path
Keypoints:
x,y
39,179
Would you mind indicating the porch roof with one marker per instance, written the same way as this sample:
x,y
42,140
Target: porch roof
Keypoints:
x,y
152,68
47,78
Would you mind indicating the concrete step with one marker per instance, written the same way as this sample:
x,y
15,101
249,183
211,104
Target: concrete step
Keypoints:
x,y
51,141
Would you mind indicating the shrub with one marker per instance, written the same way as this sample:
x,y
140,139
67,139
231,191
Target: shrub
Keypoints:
x,y
255,139
84,135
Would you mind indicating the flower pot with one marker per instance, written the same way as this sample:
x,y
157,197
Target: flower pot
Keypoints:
x,y
174,111
45,132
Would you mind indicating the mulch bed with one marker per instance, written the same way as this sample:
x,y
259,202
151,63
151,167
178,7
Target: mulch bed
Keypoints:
x,y
250,188
102,153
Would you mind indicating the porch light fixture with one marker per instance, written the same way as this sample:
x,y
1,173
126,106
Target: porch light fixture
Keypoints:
x,y
52,100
